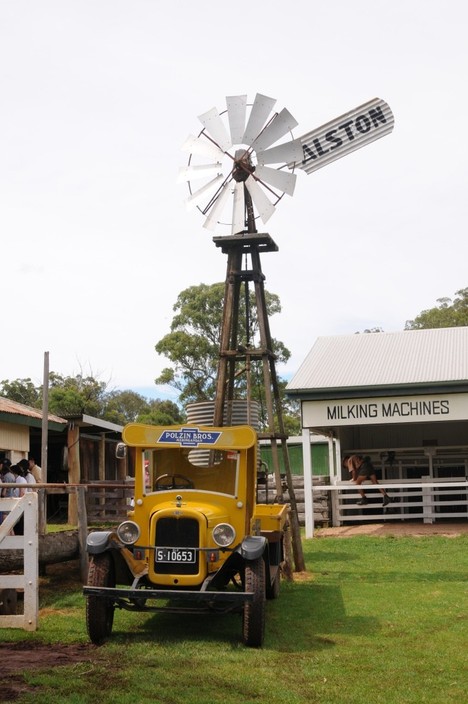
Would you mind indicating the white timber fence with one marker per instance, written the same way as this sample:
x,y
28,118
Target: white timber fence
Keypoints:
x,y
425,499
28,543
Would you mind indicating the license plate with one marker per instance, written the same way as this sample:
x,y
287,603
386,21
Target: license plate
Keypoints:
x,y
175,555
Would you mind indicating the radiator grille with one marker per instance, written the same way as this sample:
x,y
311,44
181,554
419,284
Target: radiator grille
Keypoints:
x,y
177,533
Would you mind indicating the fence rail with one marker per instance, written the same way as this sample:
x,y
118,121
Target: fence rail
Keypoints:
x,y
425,499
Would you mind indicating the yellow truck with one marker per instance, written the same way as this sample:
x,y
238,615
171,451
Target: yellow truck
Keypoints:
x,y
196,540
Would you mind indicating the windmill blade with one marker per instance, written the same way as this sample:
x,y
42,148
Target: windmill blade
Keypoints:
x,y
282,180
289,153
202,146
217,208
258,116
236,107
214,125
238,209
283,123
264,207
191,173
195,198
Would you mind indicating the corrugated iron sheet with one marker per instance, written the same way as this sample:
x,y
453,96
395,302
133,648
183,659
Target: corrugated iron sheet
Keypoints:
x,y
381,359
345,134
8,406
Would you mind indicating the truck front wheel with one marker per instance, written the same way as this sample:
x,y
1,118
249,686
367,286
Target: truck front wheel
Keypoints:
x,y
253,627
99,610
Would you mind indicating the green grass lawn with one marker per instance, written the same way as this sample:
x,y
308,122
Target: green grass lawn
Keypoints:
x,y
375,620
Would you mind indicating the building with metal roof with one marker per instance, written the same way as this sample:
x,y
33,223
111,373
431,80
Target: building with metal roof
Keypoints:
x,y
80,449
401,399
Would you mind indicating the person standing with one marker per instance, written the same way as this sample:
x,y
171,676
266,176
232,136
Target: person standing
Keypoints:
x,y
35,470
27,474
7,478
20,481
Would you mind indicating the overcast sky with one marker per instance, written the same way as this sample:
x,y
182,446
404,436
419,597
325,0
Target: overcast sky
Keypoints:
x,y
97,97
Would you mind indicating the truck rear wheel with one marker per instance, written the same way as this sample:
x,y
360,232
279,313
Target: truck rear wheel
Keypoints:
x,y
100,611
253,627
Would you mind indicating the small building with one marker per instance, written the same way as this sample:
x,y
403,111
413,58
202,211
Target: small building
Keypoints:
x,y
400,398
80,450
21,429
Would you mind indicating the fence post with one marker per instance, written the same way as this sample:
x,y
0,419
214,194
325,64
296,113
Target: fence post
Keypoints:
x,y
427,494
82,532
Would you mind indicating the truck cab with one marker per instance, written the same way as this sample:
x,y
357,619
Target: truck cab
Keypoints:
x,y
195,534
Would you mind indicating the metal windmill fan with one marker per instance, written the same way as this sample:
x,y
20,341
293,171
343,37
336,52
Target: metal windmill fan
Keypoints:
x,y
245,167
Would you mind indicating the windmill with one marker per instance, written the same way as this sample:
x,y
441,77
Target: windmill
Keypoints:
x,y
240,166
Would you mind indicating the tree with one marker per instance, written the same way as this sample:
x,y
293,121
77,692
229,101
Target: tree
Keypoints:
x,y
193,344
162,413
22,391
73,396
124,406
446,314
130,407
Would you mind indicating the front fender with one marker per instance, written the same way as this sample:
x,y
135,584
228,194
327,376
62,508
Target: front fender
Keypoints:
x,y
98,541
101,541
253,547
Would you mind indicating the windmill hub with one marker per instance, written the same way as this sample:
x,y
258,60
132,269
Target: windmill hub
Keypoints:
x,y
243,166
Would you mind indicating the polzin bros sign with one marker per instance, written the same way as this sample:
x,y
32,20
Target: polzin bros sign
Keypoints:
x,y
405,409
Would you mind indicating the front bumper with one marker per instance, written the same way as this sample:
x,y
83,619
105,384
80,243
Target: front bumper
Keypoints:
x,y
176,601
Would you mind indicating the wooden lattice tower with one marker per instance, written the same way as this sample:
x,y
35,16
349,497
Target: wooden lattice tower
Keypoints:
x,y
240,248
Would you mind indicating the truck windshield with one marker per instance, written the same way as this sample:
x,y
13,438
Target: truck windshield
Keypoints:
x,y
202,470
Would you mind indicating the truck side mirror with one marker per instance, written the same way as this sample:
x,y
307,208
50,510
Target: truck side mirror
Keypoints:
x,y
121,451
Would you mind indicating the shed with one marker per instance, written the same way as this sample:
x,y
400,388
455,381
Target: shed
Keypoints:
x,y
19,425
402,399
81,449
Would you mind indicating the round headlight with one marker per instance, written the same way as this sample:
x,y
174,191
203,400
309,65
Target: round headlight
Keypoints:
x,y
224,534
128,532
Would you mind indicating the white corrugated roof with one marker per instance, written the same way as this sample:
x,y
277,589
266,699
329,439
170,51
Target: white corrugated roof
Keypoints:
x,y
384,359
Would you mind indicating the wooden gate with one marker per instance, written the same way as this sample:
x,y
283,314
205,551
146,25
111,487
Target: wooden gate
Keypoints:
x,y
11,584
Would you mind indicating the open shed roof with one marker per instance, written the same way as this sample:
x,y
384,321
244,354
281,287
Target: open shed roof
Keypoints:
x,y
397,362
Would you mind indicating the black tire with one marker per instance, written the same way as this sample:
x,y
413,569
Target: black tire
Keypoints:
x,y
253,625
273,591
100,611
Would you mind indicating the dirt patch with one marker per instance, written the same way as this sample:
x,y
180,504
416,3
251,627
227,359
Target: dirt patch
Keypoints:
x,y
397,529
15,658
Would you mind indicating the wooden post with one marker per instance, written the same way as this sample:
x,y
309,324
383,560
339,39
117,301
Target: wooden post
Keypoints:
x,y
102,457
82,532
74,470
44,445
